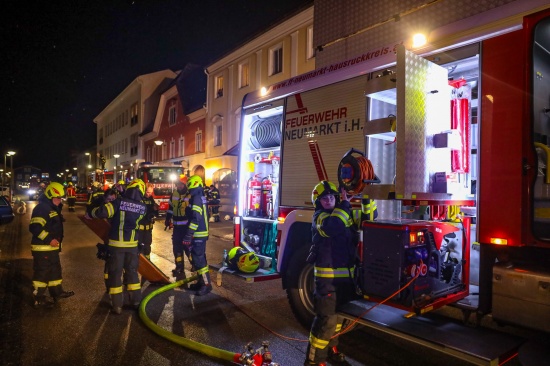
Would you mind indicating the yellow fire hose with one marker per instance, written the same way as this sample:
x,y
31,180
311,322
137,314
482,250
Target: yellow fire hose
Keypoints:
x,y
182,341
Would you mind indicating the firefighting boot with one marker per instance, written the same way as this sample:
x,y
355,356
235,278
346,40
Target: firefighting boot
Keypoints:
x,y
336,357
42,302
205,284
63,295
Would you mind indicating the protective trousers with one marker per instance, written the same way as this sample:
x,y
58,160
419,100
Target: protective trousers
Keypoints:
x,y
47,273
177,245
123,260
145,238
326,322
198,260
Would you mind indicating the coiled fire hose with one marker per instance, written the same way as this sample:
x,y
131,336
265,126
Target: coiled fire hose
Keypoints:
x,y
355,172
182,341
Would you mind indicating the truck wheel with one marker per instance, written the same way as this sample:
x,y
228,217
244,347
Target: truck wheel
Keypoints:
x,y
300,287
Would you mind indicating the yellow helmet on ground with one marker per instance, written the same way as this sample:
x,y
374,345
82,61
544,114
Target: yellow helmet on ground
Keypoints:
x,y
323,188
248,263
233,256
194,182
139,184
54,190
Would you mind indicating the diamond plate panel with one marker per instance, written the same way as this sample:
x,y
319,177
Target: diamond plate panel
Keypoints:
x,y
337,19
422,110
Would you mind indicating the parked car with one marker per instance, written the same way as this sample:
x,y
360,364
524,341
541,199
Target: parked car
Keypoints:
x,y
81,194
6,211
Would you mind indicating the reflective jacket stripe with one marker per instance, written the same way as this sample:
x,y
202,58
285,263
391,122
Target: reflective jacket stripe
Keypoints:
x,y
43,248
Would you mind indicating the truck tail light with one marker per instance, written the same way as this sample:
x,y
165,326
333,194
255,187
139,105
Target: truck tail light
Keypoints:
x,y
499,241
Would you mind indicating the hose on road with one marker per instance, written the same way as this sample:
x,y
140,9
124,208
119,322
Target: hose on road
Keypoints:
x,y
182,341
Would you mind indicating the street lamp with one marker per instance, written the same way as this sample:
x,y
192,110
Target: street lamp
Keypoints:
x,y
116,156
159,144
10,154
88,167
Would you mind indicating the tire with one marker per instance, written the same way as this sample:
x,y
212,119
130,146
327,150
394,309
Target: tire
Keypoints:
x,y
300,287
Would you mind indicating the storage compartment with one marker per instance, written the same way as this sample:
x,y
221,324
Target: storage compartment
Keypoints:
x,y
521,295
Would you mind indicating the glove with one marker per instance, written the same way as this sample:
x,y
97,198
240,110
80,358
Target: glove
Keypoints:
x,y
187,240
102,251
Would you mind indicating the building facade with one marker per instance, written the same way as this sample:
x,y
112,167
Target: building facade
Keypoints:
x,y
283,51
119,125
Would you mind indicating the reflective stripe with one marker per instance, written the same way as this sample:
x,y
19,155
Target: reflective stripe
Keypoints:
x,y
43,248
38,284
133,286
54,283
193,226
342,215
197,208
342,272
123,244
200,234
145,227
115,290
182,222
43,235
317,342
38,220
179,259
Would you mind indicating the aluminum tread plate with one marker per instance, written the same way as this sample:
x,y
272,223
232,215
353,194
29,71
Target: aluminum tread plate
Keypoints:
x,y
483,344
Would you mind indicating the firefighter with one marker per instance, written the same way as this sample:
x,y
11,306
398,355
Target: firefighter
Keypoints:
x,y
71,197
214,202
46,226
119,187
333,255
197,235
145,233
179,200
125,213
96,194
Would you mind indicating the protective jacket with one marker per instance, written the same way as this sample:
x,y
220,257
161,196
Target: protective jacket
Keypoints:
x,y
197,214
333,244
46,224
151,211
125,214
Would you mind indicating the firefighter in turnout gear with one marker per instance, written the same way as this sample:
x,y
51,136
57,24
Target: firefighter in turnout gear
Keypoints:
x,y
46,227
214,202
179,201
95,197
71,197
125,213
333,254
197,235
145,233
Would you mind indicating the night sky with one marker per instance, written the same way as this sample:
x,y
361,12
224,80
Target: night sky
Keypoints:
x,y
62,62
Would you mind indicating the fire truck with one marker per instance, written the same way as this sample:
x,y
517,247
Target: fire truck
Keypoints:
x,y
162,176
452,143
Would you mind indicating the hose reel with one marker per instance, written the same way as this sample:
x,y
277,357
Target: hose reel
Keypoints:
x,y
355,172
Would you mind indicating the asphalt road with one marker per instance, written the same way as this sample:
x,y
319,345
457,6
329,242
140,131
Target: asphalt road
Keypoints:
x,y
81,330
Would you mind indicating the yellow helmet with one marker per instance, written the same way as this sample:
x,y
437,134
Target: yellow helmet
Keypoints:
x,y
139,184
120,182
248,263
96,184
70,184
194,182
323,188
54,190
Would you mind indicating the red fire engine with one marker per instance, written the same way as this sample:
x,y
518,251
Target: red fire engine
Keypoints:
x,y
453,145
162,176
